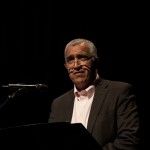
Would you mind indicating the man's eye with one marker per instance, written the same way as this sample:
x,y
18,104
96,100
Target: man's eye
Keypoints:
x,y
70,59
83,58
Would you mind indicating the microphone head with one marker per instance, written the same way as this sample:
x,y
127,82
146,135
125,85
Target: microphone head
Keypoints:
x,y
41,86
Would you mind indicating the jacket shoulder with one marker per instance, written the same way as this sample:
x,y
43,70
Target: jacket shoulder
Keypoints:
x,y
63,96
115,84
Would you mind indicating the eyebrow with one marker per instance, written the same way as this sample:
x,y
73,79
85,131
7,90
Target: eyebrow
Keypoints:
x,y
78,55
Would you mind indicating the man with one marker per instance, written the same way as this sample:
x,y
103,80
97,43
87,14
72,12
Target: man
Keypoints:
x,y
106,108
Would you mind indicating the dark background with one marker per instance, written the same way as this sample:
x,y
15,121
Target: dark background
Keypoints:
x,y
34,34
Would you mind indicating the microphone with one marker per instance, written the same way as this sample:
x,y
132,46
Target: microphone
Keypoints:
x,y
20,85
70,70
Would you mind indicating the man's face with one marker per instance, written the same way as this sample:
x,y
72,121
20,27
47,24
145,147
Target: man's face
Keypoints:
x,y
79,64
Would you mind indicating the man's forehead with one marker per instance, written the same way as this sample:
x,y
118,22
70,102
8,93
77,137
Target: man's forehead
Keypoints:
x,y
78,49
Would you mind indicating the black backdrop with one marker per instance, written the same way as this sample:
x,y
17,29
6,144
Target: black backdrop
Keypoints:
x,y
34,34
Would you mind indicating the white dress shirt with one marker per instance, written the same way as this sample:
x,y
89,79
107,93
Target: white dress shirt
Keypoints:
x,y
82,105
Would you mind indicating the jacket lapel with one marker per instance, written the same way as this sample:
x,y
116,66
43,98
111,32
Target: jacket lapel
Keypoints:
x,y
69,106
98,100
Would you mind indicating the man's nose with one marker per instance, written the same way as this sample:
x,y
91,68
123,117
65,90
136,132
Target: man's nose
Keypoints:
x,y
76,63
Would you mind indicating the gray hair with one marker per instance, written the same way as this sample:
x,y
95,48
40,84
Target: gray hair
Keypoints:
x,y
90,44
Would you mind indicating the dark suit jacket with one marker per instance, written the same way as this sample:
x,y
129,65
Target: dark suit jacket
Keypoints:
x,y
113,120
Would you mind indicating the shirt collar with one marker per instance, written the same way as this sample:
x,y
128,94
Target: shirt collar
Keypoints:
x,y
87,92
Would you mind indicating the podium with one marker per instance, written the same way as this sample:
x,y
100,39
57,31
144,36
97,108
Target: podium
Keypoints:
x,y
48,136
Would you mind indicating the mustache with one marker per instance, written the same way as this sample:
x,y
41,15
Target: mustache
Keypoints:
x,y
71,70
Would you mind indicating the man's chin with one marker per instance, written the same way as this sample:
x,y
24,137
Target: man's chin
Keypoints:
x,y
79,82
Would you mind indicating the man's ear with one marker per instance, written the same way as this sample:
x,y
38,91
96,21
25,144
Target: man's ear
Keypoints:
x,y
65,66
96,61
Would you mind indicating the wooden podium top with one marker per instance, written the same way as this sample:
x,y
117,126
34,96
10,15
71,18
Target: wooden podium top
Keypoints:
x,y
48,136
